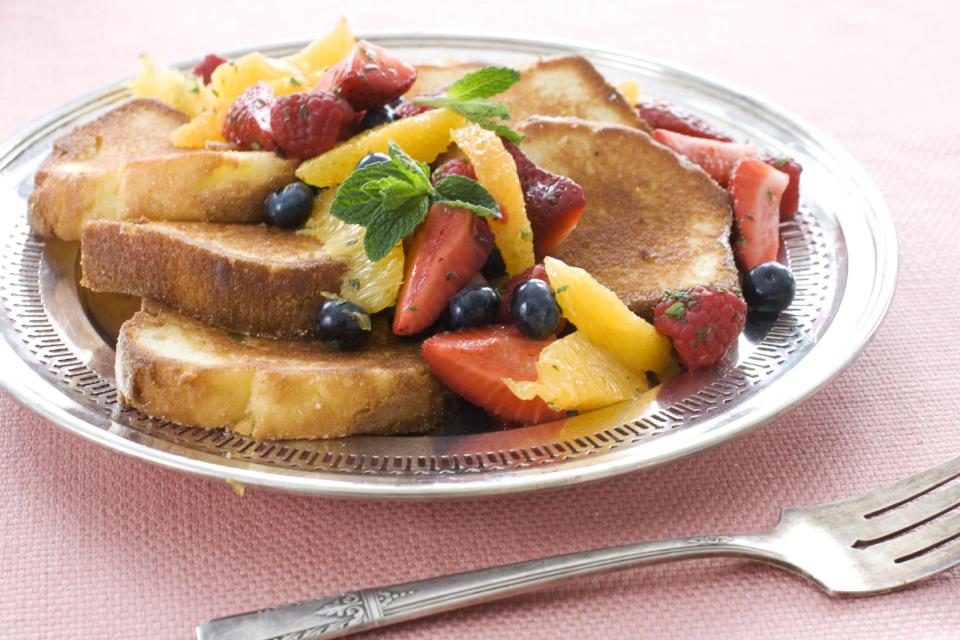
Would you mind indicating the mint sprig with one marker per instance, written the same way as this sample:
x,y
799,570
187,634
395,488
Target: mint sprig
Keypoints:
x,y
391,198
469,95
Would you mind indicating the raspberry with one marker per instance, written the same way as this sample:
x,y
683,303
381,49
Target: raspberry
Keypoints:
x,y
702,322
206,67
307,124
453,167
248,121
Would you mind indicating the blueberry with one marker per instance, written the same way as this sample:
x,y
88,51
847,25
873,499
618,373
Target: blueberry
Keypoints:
x,y
473,306
341,325
495,267
289,207
534,309
768,287
372,158
376,117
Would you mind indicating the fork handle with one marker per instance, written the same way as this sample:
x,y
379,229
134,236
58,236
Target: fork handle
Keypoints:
x,y
337,616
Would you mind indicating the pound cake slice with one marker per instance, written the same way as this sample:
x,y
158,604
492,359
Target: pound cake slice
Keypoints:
x,y
122,166
564,86
175,368
248,278
653,221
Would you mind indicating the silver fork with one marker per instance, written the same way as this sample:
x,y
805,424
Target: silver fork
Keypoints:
x,y
871,544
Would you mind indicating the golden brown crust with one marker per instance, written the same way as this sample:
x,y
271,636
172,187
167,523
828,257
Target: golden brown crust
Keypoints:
x,y
175,368
562,86
123,166
653,221
252,279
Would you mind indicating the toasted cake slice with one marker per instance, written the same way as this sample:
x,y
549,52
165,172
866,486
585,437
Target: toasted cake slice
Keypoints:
x,y
249,278
122,166
564,86
653,221
176,368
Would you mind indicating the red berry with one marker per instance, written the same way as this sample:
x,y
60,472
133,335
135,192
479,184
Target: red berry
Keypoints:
x,y
206,67
702,322
474,362
443,254
554,203
454,167
369,77
756,189
307,124
247,123
537,271
790,201
660,114
714,157
407,109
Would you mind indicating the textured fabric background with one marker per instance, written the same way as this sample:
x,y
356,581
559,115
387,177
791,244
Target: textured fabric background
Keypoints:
x,y
95,545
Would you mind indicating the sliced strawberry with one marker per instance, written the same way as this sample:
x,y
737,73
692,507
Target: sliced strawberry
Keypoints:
x,y
445,251
506,295
454,167
369,77
474,362
554,203
790,202
207,66
756,189
715,157
660,114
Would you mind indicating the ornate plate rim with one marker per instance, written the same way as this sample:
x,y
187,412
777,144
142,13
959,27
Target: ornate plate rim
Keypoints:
x,y
15,377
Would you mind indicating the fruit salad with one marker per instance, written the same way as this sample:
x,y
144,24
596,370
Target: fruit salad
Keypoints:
x,y
448,229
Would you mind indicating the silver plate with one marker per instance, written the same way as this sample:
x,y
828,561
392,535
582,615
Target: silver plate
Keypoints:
x,y
842,248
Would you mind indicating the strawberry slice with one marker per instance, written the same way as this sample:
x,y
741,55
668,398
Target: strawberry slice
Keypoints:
x,y
660,114
445,251
790,202
369,77
554,203
474,362
506,296
715,157
756,189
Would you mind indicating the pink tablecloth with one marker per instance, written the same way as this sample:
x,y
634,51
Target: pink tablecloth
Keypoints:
x,y
93,544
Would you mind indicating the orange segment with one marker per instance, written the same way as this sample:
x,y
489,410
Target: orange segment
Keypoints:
x,y
423,136
206,126
497,172
575,374
324,51
373,286
600,315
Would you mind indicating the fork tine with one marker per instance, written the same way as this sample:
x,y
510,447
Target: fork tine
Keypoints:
x,y
890,523
882,500
915,545
929,564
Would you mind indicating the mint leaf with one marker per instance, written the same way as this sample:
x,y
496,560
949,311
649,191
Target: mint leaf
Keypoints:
x,y
391,198
468,97
458,191
417,172
358,197
483,83
391,226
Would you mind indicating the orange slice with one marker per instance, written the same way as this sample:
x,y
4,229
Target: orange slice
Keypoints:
x,y
497,172
573,373
600,315
423,137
